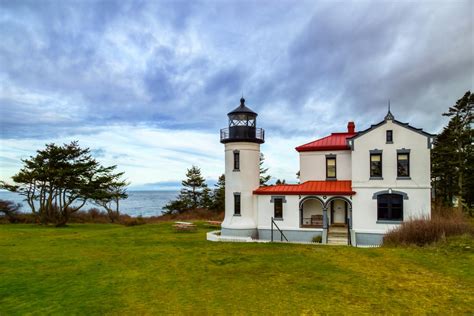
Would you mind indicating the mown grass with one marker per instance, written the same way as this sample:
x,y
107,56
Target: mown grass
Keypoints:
x,y
150,269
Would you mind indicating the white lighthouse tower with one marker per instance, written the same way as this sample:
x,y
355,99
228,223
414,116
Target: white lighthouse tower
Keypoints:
x,y
242,141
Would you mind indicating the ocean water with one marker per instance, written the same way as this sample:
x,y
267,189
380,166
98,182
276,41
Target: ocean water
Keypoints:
x,y
144,203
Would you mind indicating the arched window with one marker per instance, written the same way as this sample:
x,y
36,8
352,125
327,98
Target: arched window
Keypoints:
x,y
390,207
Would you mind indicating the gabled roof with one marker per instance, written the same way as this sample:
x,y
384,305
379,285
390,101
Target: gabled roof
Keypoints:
x,y
335,141
309,188
406,125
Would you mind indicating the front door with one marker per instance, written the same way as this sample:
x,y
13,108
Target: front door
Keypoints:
x,y
338,212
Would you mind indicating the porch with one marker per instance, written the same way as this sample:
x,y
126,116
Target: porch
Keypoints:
x,y
313,209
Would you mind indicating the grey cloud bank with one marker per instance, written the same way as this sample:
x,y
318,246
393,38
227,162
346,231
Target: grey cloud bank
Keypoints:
x,y
307,67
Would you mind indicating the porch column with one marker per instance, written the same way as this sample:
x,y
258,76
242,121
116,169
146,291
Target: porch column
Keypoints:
x,y
325,218
350,216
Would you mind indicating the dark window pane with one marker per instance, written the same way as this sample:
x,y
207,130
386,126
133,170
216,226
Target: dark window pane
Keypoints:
x,y
403,165
236,161
389,136
390,207
278,208
375,165
237,204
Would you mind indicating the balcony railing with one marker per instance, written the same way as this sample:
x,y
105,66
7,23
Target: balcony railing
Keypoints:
x,y
243,133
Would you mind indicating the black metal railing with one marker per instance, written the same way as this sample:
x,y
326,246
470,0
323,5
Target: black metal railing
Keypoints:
x,y
278,228
243,133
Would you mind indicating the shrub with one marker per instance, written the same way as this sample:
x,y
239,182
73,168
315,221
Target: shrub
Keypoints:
x,y
10,210
317,239
425,231
93,215
131,221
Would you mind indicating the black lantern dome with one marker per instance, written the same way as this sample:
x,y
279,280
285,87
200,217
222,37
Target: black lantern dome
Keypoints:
x,y
242,126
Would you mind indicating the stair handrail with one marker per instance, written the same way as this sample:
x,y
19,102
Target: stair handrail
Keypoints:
x,y
281,232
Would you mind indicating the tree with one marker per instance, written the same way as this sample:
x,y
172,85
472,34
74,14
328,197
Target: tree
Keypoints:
x,y
61,179
264,178
453,155
10,210
193,187
218,196
278,181
193,193
109,197
206,198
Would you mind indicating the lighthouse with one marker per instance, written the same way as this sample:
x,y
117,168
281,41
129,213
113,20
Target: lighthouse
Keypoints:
x,y
242,141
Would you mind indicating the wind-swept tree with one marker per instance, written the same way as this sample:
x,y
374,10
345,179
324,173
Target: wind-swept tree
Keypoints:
x,y
110,195
61,179
9,210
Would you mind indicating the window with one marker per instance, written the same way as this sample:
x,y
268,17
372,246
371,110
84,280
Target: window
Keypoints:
x,y
236,160
331,167
403,165
390,207
375,165
278,207
236,203
389,136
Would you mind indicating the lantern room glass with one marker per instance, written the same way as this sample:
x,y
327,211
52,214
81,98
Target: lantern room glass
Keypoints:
x,y
242,120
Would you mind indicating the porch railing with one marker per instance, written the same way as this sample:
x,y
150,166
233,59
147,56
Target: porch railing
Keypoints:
x,y
278,228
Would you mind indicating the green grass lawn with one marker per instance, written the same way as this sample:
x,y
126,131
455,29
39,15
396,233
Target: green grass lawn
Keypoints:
x,y
150,269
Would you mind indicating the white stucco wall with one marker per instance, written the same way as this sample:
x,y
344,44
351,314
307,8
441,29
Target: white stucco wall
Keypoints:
x,y
245,181
290,212
364,209
402,138
313,165
417,188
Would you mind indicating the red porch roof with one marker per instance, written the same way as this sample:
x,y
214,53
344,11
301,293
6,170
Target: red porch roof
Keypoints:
x,y
309,188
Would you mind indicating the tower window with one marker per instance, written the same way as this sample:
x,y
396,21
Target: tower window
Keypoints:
x,y
389,136
331,167
376,165
237,204
236,160
278,208
403,165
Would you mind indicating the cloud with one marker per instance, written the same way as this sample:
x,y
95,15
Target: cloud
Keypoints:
x,y
127,76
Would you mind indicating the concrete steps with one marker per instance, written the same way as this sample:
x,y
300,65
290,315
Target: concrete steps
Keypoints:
x,y
338,236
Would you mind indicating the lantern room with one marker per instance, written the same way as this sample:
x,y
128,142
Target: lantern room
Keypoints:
x,y
242,126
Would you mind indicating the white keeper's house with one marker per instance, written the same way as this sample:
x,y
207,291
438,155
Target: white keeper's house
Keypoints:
x,y
354,185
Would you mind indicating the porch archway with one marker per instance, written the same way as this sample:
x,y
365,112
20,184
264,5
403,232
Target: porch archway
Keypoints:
x,y
311,212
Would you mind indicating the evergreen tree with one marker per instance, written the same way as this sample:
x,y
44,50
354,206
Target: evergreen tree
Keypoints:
x,y
264,178
278,181
193,187
452,157
218,196
206,198
193,194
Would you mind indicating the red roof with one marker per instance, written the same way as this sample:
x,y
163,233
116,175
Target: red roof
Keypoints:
x,y
309,187
335,141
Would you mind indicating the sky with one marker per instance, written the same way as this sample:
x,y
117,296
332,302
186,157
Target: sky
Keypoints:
x,y
146,85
